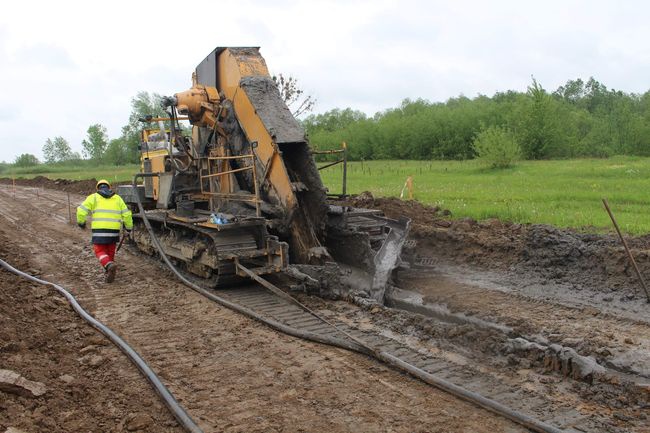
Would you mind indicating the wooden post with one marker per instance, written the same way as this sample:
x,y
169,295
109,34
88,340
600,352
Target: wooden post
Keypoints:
x,y
69,210
345,168
13,181
408,185
627,249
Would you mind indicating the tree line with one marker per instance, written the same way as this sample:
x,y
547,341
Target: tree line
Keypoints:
x,y
579,119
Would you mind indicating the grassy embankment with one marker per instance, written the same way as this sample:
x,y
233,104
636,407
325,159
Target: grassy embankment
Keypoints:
x,y
564,193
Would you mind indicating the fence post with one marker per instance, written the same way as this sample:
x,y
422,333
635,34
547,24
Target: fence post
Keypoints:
x,y
69,211
345,168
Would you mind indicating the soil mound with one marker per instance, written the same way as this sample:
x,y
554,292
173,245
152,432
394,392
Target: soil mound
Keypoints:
x,y
74,186
548,253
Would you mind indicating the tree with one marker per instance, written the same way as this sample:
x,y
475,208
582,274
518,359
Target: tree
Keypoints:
x,y
539,133
294,96
142,104
26,160
497,146
332,120
58,150
118,152
95,144
49,153
573,91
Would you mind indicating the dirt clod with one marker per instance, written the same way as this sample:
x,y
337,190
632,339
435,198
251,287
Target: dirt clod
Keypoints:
x,y
67,378
13,383
139,421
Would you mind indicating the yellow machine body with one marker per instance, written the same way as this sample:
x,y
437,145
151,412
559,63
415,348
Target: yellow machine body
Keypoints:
x,y
232,82
244,189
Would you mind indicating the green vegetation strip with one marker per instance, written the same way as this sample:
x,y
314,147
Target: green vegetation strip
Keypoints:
x,y
564,193
80,170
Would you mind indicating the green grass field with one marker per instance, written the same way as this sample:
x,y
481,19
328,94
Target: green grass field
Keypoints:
x,y
565,193
84,170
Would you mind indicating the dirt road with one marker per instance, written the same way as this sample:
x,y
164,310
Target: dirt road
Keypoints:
x,y
89,384
232,374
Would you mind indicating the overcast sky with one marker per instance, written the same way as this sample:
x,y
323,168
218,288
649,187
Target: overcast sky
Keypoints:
x,y
65,65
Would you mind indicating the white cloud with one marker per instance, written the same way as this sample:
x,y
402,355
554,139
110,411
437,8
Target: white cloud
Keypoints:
x,y
67,65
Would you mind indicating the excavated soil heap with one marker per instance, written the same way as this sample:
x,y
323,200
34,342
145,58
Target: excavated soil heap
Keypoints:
x,y
563,256
74,186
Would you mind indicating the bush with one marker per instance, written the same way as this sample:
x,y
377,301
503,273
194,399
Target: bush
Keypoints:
x,y
497,146
26,160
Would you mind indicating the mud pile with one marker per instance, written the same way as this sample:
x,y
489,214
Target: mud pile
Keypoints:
x,y
423,217
551,254
74,186
88,384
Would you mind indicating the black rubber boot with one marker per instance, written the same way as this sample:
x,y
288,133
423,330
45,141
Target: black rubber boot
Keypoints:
x,y
111,269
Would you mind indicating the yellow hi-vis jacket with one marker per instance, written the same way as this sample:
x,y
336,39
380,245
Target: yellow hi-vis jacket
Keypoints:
x,y
108,215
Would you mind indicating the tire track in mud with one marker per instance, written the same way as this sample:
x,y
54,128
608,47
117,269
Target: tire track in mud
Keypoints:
x,y
229,372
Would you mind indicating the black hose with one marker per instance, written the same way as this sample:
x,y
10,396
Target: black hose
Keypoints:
x,y
486,403
168,399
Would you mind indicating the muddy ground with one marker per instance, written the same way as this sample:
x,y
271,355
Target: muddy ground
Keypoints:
x,y
89,384
523,304
232,374
535,260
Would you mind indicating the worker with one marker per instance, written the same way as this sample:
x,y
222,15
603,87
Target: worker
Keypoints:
x,y
108,212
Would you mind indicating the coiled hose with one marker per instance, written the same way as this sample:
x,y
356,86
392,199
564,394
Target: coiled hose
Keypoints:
x,y
470,396
168,399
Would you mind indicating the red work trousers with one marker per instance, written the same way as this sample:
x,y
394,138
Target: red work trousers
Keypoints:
x,y
105,253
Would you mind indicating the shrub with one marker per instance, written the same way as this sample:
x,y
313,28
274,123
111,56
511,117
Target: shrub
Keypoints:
x,y
497,147
26,160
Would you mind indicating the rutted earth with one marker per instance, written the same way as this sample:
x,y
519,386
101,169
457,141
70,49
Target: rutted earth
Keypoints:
x,y
559,286
88,384
530,302
232,374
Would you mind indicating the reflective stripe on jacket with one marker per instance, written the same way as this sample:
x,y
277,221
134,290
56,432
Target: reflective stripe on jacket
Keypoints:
x,y
108,215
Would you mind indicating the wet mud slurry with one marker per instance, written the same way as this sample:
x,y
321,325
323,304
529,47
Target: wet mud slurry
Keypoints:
x,y
230,373
555,307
